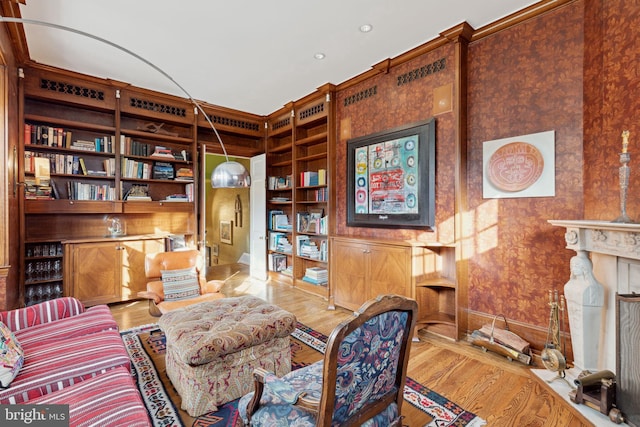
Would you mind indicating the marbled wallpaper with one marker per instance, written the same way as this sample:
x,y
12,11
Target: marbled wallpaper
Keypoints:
x,y
525,80
522,80
612,104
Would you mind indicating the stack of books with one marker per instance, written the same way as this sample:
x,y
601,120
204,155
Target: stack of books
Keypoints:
x,y
316,275
184,174
307,248
176,198
160,151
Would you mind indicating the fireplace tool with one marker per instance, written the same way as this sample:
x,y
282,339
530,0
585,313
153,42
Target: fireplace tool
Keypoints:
x,y
552,357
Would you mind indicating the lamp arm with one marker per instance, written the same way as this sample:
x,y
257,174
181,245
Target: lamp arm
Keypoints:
x,y
127,51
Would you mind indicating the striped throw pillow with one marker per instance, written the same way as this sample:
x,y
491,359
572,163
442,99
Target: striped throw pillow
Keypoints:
x,y
180,284
11,356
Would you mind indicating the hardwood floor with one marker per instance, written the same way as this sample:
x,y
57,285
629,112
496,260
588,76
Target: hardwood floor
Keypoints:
x,y
503,393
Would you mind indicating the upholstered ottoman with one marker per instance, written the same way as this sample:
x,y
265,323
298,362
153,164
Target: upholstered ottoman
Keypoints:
x,y
213,348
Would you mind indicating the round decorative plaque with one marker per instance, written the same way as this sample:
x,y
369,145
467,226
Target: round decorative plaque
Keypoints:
x,y
515,166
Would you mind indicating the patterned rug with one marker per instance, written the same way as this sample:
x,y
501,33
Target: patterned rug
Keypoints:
x,y
146,347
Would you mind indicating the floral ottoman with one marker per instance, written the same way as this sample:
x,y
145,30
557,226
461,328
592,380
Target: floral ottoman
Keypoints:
x,y
213,348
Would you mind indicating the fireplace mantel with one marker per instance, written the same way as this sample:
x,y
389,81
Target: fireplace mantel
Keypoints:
x,y
614,250
604,237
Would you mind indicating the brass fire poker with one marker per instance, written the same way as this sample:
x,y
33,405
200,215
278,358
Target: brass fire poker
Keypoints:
x,y
624,171
553,358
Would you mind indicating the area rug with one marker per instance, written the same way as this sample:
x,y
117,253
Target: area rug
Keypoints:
x,y
146,348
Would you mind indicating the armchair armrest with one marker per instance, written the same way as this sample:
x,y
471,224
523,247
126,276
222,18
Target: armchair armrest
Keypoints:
x,y
211,286
150,295
44,312
265,379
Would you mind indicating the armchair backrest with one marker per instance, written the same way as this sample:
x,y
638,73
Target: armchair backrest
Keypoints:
x,y
156,262
365,363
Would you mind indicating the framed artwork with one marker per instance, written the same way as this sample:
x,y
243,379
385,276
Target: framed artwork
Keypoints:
x,y
226,232
391,178
520,166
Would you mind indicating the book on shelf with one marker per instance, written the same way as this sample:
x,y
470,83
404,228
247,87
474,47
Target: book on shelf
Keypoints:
x,y
177,198
83,167
288,271
314,281
281,223
308,178
270,217
277,262
163,170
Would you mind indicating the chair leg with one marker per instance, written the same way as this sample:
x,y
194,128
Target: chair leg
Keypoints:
x,y
153,309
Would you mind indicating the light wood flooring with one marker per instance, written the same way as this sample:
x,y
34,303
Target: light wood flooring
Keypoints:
x,y
501,392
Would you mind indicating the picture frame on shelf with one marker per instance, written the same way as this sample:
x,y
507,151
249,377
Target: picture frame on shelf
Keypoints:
x,y
391,178
226,232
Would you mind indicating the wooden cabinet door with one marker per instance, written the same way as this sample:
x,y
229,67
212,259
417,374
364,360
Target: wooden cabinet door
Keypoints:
x,y
349,273
389,270
95,272
133,252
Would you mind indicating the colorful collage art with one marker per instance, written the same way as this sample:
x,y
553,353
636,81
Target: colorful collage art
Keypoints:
x,y
386,177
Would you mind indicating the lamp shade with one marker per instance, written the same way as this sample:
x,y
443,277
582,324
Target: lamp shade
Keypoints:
x,y
230,174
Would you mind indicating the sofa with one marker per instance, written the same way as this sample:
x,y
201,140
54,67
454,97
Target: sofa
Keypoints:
x,y
71,355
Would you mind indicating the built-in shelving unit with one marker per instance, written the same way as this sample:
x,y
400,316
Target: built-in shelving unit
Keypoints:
x,y
300,149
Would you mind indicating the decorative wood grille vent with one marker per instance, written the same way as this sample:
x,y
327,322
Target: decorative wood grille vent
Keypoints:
x,y
157,107
71,89
312,111
421,72
361,96
281,123
240,124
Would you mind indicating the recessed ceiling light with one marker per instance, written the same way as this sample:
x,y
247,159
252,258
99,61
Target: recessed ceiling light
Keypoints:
x,y
319,55
366,28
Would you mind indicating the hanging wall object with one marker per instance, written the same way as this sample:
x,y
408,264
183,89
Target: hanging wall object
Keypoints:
x,y
238,211
520,166
226,232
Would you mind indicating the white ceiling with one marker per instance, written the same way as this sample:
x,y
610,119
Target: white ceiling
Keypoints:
x,y
251,55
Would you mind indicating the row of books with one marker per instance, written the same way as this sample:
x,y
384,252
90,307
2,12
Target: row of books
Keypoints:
x,y
277,220
130,147
132,168
58,137
321,195
67,164
82,191
313,178
279,182
279,242
312,222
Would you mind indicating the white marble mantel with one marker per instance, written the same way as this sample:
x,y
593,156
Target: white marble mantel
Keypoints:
x,y
605,237
614,250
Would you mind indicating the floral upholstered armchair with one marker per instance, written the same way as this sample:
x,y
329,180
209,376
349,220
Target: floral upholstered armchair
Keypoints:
x,y
359,382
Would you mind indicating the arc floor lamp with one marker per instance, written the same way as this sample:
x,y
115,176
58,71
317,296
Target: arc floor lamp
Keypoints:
x,y
228,174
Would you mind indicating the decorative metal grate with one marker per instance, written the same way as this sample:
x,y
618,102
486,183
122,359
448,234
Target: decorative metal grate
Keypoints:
x,y
281,123
312,111
240,124
71,89
361,96
157,107
421,72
